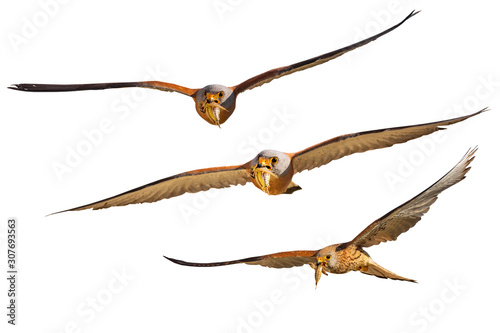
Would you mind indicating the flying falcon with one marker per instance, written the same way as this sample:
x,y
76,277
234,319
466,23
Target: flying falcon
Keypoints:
x,y
271,171
214,103
350,256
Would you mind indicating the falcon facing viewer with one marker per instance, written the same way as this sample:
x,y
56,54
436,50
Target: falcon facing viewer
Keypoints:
x,y
345,257
272,171
214,103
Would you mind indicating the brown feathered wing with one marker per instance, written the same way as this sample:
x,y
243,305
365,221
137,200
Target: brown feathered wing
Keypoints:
x,y
333,149
404,217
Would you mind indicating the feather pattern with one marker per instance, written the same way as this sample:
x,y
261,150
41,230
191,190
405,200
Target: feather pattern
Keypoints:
x,y
275,260
164,86
187,182
276,73
404,217
338,147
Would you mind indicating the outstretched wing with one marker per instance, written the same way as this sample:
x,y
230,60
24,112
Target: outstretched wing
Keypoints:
x,y
192,182
344,145
286,70
401,219
275,260
99,86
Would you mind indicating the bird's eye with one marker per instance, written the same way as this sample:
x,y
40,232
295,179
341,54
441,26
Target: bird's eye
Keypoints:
x,y
221,94
328,257
274,160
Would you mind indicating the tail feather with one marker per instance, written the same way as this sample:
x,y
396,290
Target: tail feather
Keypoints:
x,y
292,187
375,269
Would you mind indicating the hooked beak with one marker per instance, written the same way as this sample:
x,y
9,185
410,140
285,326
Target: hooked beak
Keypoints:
x,y
212,98
265,164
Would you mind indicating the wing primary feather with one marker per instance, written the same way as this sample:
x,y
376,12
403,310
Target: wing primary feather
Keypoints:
x,y
187,182
213,264
276,260
35,87
404,217
286,70
344,145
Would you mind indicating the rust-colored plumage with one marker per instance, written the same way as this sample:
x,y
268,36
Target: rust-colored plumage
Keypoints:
x,y
272,171
214,103
345,257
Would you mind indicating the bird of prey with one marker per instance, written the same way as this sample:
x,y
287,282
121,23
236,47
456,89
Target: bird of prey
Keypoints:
x,y
214,103
345,257
271,171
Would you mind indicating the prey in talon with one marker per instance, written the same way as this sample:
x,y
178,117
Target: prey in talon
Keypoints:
x,y
350,256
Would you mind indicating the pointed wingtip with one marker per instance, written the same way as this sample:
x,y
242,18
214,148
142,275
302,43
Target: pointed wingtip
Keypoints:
x,y
186,263
176,261
461,118
413,13
472,151
76,209
484,109
54,213
14,87
467,159
61,211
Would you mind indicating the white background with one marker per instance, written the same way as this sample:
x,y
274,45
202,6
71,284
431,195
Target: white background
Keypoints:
x,y
433,67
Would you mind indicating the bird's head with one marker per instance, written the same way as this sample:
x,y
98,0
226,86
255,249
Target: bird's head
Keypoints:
x,y
271,171
324,259
215,103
